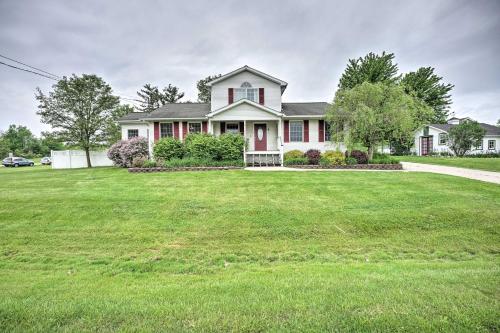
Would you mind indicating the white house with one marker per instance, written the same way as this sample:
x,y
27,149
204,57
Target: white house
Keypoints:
x,y
244,101
434,138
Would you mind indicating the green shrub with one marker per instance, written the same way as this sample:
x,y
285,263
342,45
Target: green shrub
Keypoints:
x,y
294,154
138,162
168,148
150,164
230,146
383,159
296,161
334,158
195,162
351,161
202,146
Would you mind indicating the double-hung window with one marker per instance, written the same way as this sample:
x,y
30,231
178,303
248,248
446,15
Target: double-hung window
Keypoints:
x,y
246,91
491,144
194,127
327,131
479,145
166,130
443,139
233,128
296,131
132,133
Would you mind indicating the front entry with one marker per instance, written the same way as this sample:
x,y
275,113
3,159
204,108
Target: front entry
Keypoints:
x,y
425,145
260,137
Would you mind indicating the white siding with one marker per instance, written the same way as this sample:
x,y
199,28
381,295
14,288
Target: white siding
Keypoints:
x,y
272,134
244,112
272,90
313,141
142,127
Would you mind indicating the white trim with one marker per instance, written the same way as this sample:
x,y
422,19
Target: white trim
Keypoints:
x,y
289,132
305,117
251,70
194,122
159,129
231,122
241,101
173,119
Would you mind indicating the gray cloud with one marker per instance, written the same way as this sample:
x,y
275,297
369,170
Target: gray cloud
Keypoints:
x,y
306,43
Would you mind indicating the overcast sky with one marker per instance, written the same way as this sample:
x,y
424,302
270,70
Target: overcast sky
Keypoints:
x,y
306,43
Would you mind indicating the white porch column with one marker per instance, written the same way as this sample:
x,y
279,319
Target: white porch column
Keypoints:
x,y
245,145
210,127
280,135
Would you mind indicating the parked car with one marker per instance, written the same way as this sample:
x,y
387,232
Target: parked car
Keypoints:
x,y
46,161
17,162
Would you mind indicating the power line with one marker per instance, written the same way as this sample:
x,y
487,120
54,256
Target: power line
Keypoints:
x,y
38,69
27,70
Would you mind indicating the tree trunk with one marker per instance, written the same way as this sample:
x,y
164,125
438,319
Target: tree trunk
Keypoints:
x,y
370,153
87,153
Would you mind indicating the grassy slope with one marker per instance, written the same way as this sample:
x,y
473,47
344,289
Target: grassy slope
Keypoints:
x,y
490,164
106,250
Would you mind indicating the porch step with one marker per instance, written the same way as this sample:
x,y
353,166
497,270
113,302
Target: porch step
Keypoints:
x,y
265,159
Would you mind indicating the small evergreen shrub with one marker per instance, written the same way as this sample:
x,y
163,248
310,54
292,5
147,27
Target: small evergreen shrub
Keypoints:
x,y
360,156
231,146
313,156
168,148
194,162
351,161
294,154
202,146
334,157
383,159
296,161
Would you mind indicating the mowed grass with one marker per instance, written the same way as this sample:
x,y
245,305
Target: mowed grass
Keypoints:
x,y
488,164
105,250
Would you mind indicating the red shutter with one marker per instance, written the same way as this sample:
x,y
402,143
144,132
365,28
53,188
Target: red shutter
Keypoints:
x,y
306,130
204,126
321,131
222,127
230,95
261,96
156,131
242,128
176,129
287,131
184,129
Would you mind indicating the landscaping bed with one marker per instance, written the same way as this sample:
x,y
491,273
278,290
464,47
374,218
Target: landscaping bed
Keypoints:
x,y
163,169
398,166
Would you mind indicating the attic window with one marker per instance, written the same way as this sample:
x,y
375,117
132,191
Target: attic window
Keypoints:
x,y
246,91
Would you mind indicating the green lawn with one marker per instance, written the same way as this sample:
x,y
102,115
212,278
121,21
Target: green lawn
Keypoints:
x,y
105,250
489,164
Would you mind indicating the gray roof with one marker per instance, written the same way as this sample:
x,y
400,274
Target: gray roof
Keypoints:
x,y
305,109
200,110
490,129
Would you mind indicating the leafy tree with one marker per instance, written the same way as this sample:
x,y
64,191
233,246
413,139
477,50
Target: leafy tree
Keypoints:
x,y
21,141
204,94
79,108
171,94
4,147
372,68
464,135
113,130
50,141
372,113
427,86
151,98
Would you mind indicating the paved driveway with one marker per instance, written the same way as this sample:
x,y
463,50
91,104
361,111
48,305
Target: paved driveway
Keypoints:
x,y
486,176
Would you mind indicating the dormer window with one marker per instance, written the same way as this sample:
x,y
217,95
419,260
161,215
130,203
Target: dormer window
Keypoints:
x,y
246,91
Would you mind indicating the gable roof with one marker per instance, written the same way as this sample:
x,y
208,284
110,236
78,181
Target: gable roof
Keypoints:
x,y
133,116
305,109
490,129
244,101
246,68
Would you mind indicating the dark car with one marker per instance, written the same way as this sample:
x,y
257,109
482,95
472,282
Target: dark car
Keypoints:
x,y
17,162
46,161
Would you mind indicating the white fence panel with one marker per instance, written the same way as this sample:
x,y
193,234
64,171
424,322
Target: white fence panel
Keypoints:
x,y
69,159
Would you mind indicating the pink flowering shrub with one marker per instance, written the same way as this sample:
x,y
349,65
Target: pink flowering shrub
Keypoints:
x,y
123,153
114,153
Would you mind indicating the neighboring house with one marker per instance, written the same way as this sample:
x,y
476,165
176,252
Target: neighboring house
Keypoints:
x,y
244,101
434,138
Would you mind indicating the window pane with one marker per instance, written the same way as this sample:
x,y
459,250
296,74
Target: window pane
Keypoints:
x,y
132,133
296,131
252,95
491,144
166,130
327,131
239,94
194,127
232,128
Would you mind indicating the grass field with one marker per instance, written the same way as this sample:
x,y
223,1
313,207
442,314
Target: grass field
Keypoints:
x,y
489,164
105,250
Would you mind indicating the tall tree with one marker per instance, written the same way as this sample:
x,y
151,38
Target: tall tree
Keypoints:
x,y
372,113
20,140
50,141
427,86
465,135
151,98
204,94
79,108
371,68
171,94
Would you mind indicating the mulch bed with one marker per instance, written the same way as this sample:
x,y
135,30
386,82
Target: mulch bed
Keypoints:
x,y
398,166
161,169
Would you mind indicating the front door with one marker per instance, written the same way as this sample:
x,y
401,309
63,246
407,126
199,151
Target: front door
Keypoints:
x,y
260,137
426,145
